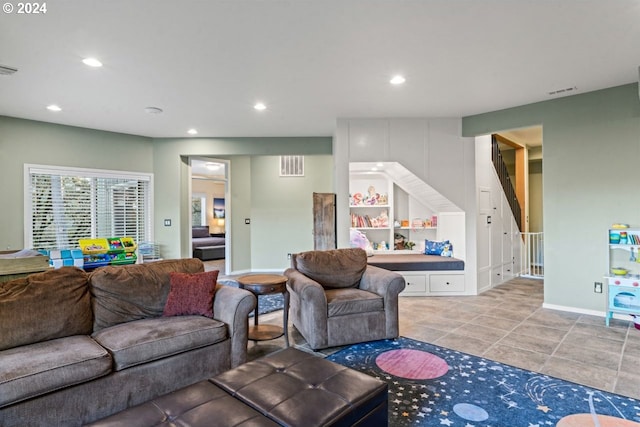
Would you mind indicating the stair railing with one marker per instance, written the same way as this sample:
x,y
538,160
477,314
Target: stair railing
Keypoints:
x,y
503,176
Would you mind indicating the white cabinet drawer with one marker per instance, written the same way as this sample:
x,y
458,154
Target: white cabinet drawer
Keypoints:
x,y
446,283
415,283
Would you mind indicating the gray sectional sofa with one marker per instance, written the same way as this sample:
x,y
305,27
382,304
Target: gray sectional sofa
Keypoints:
x,y
76,347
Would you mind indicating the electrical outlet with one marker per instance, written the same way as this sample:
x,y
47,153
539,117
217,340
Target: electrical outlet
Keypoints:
x,y
167,223
288,256
597,287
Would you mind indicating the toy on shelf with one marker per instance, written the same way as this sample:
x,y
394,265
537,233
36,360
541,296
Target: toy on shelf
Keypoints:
x,y
108,251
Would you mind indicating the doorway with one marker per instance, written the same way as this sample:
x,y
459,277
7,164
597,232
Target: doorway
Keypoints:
x,y
209,196
521,151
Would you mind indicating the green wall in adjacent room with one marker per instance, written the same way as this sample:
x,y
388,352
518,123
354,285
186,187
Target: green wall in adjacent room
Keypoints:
x,y
591,145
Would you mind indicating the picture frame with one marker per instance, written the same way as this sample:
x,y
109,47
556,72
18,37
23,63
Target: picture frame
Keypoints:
x,y
218,208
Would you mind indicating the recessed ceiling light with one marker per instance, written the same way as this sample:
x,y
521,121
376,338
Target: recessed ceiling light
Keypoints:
x,y
53,107
397,80
260,106
153,110
92,62
192,132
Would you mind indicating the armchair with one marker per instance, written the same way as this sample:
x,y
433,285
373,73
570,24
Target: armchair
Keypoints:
x,y
337,299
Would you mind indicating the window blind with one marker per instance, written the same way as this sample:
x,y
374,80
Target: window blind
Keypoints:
x,y
65,205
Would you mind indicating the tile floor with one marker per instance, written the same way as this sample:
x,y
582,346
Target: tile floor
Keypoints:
x,y
509,325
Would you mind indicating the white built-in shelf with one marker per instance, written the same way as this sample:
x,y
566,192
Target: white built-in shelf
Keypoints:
x,y
416,228
371,228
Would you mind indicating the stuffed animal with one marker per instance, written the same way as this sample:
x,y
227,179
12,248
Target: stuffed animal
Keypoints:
x,y
359,240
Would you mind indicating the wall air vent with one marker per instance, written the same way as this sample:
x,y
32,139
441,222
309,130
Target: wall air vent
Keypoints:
x,y
291,165
7,71
561,91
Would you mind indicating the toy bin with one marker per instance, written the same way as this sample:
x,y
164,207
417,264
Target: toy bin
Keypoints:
x,y
129,244
94,246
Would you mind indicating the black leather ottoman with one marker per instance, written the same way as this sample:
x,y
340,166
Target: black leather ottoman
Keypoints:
x,y
289,388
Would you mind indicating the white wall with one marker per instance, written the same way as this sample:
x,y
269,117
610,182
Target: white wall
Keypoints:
x,y
432,149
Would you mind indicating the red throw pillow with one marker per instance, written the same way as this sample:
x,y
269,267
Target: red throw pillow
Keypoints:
x,y
191,294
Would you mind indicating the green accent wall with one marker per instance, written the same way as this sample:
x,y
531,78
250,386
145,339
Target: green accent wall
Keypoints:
x,y
26,141
282,208
591,153
170,159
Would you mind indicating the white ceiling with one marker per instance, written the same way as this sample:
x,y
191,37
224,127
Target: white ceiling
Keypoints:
x,y
206,63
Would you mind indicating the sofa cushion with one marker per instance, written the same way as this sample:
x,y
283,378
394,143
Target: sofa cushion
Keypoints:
x,y
132,292
44,306
146,340
352,301
191,294
337,268
36,369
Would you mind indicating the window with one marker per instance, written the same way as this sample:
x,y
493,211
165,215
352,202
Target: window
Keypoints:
x,y
63,205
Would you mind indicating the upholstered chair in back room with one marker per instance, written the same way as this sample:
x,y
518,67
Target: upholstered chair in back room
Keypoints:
x,y
337,299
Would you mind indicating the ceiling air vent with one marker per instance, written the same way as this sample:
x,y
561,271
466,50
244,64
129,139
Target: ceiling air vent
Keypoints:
x,y
291,165
7,71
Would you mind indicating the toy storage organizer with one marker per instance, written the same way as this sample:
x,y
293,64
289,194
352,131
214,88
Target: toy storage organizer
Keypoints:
x,y
108,251
623,276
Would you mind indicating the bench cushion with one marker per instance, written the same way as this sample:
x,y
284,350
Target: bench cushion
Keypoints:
x,y
141,341
416,262
36,369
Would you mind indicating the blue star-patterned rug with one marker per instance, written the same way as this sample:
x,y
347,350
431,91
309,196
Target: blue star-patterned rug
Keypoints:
x,y
266,303
435,386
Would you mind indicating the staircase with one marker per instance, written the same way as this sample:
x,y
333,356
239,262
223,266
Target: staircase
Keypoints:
x,y
505,180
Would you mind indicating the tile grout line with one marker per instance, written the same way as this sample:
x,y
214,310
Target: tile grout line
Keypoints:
x,y
510,331
624,346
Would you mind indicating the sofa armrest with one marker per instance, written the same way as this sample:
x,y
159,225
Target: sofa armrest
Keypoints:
x,y
387,284
312,303
232,306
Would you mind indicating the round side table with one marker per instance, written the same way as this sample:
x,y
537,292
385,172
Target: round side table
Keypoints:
x,y
266,284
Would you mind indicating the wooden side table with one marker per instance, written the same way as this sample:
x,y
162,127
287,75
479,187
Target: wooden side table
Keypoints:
x,y
266,284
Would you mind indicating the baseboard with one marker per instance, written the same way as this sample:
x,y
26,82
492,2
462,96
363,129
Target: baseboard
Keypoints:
x,y
251,271
620,316
573,309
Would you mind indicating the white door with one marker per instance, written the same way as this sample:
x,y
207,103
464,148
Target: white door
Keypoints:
x,y
484,239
